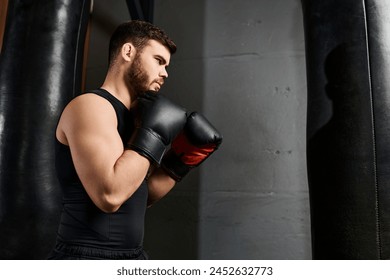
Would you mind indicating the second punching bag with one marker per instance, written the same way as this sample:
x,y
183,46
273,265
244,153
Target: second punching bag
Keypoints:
x,y
348,127
40,70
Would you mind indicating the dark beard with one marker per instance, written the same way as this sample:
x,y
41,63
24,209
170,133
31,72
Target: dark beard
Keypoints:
x,y
136,78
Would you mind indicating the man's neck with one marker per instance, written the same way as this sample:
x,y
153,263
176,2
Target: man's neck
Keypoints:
x,y
114,84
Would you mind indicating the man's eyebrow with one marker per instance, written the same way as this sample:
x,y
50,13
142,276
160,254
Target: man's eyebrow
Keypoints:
x,y
162,58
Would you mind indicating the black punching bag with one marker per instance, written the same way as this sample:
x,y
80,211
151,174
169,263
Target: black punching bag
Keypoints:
x,y
348,127
40,70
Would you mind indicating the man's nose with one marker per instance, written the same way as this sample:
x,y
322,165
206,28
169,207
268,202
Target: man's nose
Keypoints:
x,y
164,73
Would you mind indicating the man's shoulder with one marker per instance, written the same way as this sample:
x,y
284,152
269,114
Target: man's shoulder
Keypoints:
x,y
87,112
89,108
89,101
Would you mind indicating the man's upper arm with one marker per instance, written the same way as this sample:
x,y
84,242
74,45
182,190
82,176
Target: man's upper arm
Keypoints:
x,y
90,126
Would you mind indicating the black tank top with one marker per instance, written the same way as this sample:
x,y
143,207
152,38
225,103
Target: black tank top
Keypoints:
x,y
81,221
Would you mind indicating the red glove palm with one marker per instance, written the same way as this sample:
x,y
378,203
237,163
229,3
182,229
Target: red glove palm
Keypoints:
x,y
194,144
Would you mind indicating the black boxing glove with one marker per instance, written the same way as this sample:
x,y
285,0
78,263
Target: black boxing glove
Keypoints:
x,y
157,122
194,144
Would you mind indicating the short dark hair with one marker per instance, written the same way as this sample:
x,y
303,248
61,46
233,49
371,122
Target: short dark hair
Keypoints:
x,y
138,33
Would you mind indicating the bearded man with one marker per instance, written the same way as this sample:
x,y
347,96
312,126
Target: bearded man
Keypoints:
x,y
111,143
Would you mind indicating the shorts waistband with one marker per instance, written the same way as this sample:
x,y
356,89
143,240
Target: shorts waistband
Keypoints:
x,y
86,252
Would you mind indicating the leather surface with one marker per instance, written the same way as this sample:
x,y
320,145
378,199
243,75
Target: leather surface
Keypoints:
x,y
158,121
201,131
348,130
198,140
378,22
40,72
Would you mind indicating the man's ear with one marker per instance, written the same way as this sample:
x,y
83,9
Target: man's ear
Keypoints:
x,y
128,51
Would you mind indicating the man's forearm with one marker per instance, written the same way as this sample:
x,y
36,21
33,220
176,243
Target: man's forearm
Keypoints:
x,y
159,184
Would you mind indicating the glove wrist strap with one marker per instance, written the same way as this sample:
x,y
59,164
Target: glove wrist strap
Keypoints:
x,y
148,144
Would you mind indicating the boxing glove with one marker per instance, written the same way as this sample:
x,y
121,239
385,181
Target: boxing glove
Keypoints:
x,y
194,144
157,123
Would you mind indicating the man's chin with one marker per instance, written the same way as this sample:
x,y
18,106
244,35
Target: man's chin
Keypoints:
x,y
154,89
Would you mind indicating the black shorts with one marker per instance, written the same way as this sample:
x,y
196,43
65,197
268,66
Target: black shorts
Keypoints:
x,y
64,251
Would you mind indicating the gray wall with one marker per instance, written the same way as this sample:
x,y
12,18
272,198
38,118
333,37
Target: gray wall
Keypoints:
x,y
242,64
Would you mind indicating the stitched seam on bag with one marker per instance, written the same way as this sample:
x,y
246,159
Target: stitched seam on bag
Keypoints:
x,y
377,210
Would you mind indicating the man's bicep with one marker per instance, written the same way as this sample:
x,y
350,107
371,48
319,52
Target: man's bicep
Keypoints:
x,y
94,143
94,154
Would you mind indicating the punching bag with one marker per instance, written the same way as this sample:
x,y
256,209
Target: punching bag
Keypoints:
x,y
348,127
40,71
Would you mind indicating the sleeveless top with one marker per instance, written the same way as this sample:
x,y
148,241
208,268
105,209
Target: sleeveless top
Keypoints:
x,y
82,223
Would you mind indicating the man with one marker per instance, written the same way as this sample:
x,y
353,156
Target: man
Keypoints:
x,y
111,143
